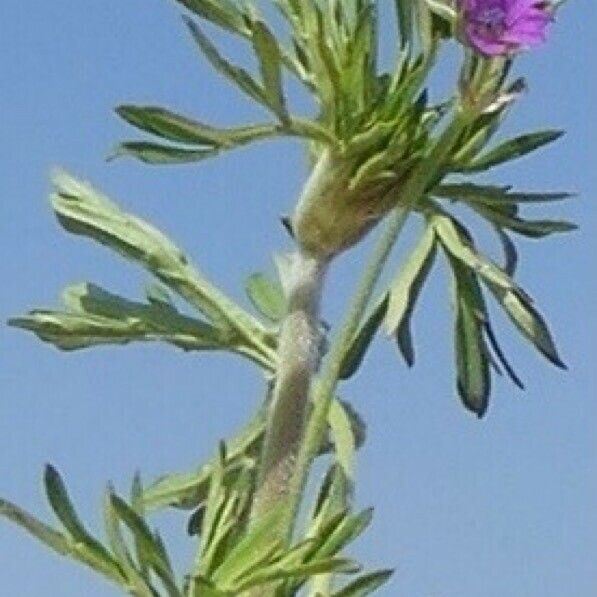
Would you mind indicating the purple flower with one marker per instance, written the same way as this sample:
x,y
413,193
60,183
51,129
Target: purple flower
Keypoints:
x,y
498,27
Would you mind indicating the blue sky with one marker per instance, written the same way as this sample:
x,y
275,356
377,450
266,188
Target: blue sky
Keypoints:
x,y
464,508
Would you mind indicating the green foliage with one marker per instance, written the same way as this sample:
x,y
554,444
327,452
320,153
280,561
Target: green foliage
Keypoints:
x,y
378,143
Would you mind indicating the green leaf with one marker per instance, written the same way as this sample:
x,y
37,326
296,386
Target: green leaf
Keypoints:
x,y
97,317
406,15
150,550
362,340
62,545
223,13
334,540
458,243
191,489
202,587
250,551
276,572
82,210
472,362
154,153
365,584
529,228
44,533
343,437
175,127
62,506
137,579
326,516
510,150
270,65
405,290
240,77
528,320
266,295
87,547
493,196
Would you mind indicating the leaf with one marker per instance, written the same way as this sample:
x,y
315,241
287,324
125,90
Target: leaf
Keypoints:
x,y
494,195
250,550
458,243
362,340
365,584
60,544
333,482
63,508
154,153
189,490
405,15
510,150
510,252
223,13
501,356
343,438
267,296
309,569
202,587
405,290
529,228
82,210
332,540
44,533
529,321
97,317
240,77
175,127
472,362
137,579
87,548
150,551
270,64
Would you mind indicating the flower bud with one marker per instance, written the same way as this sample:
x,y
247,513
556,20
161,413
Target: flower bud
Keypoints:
x,y
332,215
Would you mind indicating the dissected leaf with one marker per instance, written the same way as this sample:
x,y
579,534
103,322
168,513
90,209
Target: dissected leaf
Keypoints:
x,y
365,584
90,549
136,578
177,128
250,551
155,153
224,13
61,544
97,317
270,64
494,195
472,362
333,540
360,344
343,437
53,539
82,210
457,241
240,77
510,150
277,572
405,290
150,550
529,321
266,295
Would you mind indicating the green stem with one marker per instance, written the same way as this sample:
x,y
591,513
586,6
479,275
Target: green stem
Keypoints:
x,y
324,390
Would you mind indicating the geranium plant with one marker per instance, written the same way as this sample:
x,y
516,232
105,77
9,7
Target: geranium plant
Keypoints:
x,y
382,153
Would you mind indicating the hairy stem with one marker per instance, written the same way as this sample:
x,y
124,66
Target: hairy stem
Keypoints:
x,y
324,389
298,359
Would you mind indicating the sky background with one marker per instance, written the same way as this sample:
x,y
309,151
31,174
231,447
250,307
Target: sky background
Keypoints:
x,y
464,508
